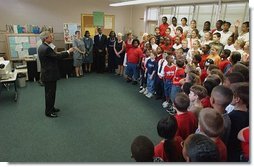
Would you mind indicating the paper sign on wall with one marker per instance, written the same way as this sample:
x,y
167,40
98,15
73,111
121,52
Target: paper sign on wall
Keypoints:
x,y
69,32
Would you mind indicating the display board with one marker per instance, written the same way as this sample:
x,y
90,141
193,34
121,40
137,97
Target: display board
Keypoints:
x,y
18,44
69,32
87,23
98,19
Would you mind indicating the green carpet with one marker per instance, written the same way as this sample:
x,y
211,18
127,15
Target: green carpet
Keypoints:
x,y
100,116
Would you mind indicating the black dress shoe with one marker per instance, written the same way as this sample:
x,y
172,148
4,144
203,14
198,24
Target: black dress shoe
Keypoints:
x,y
56,110
128,80
158,97
41,83
52,115
134,83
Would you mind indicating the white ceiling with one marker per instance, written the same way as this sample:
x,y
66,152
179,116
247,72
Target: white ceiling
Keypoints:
x,y
174,2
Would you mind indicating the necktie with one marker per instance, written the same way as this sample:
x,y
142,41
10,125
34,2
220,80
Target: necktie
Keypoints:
x,y
161,66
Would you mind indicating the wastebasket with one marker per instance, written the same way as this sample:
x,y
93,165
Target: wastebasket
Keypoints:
x,y
21,79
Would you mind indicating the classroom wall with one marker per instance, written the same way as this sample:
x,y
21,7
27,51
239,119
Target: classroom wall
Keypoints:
x,y
55,13
138,14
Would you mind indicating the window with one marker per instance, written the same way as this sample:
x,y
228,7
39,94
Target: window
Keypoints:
x,y
234,11
202,15
200,12
152,14
152,19
151,27
184,11
169,12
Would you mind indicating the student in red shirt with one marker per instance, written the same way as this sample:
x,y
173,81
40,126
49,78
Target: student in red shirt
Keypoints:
x,y
179,33
244,137
163,26
144,41
169,149
187,122
209,84
167,44
159,52
179,74
205,49
128,45
128,42
167,32
212,125
209,65
225,65
133,55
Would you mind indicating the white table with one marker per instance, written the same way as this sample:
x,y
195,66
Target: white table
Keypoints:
x,y
12,80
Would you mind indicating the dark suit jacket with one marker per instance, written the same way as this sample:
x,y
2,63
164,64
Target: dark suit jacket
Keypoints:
x,y
100,44
49,62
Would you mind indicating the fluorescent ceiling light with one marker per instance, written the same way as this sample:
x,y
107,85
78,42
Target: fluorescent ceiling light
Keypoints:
x,y
136,2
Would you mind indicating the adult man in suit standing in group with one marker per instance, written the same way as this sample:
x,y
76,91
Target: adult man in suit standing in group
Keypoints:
x,y
50,71
100,46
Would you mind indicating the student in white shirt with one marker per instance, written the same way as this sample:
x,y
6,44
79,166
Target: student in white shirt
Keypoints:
x,y
194,36
239,44
206,28
193,25
152,41
159,85
207,39
173,27
177,44
184,26
225,34
218,29
195,48
244,35
230,44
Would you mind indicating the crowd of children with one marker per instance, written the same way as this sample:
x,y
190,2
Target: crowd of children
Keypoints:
x,y
202,78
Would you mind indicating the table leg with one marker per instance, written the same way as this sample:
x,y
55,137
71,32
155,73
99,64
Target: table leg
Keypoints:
x,y
16,92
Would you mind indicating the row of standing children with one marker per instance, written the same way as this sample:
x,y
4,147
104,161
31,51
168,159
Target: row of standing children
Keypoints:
x,y
212,81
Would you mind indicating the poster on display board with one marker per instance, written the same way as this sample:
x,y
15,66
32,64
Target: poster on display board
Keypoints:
x,y
69,32
18,45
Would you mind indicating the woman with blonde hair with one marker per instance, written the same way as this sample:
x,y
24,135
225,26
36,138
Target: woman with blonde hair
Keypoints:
x,y
119,48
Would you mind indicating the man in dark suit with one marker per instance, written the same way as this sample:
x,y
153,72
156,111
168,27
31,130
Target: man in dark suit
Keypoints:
x,y
50,71
100,46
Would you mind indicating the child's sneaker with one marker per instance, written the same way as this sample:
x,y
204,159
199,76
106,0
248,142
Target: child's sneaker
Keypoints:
x,y
149,95
142,90
171,110
145,92
165,104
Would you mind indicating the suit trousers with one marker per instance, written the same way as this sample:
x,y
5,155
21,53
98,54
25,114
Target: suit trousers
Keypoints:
x,y
100,62
159,87
50,95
